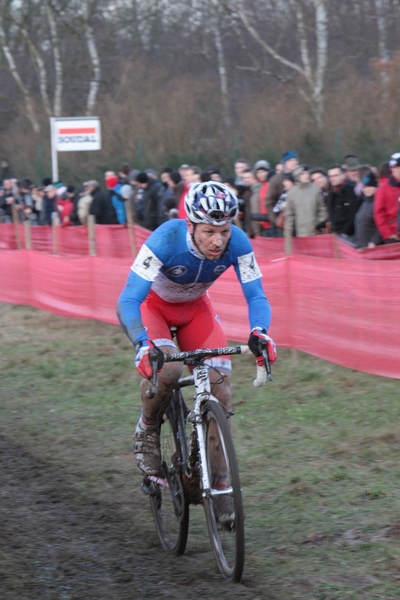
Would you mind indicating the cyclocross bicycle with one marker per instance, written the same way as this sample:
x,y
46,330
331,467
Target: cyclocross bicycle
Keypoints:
x,y
199,464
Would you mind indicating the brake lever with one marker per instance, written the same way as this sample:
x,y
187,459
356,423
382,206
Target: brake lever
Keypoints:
x,y
153,356
264,352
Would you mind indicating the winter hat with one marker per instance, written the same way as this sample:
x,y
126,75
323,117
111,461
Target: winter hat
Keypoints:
x,y
262,164
351,163
288,155
132,174
370,180
61,190
395,160
111,182
142,177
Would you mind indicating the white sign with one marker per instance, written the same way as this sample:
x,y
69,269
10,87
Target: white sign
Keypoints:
x,y
77,133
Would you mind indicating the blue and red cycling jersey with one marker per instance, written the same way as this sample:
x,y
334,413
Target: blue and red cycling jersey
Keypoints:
x,y
170,265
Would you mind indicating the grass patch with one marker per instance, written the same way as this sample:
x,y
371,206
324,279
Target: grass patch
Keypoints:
x,y
319,452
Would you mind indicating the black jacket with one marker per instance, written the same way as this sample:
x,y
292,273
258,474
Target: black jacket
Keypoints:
x,y
102,208
343,204
365,226
153,213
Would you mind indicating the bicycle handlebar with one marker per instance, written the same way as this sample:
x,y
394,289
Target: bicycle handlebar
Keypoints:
x,y
263,372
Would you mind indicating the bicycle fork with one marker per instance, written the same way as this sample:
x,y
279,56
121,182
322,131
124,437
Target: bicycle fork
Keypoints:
x,y
203,394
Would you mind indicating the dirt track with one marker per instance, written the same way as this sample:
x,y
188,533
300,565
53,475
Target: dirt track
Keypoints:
x,y
58,544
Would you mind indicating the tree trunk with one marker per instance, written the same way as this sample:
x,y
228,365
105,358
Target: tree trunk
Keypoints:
x,y
29,105
95,59
58,67
223,78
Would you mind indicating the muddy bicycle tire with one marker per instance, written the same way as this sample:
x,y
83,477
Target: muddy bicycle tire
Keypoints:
x,y
168,504
227,539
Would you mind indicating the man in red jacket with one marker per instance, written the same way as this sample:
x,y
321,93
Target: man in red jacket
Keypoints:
x,y
386,205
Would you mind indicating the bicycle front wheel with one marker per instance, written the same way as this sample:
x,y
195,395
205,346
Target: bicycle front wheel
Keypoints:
x,y
168,504
223,502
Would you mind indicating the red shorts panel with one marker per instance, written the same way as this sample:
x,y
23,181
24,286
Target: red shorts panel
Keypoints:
x,y
197,324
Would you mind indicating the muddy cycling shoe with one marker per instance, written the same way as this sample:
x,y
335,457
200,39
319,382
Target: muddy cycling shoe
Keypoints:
x,y
147,449
224,511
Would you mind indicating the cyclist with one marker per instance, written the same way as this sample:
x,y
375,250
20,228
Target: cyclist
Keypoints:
x,y
167,287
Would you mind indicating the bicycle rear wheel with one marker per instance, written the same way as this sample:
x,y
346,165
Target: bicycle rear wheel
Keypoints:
x,y
168,504
224,498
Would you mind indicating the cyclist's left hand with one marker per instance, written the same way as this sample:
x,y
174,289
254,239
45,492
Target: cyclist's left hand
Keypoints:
x,y
256,336
142,359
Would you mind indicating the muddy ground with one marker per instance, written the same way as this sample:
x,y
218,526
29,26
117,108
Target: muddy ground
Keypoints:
x,y
57,544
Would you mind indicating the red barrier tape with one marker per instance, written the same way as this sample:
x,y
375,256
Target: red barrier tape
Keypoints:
x,y
347,312
113,241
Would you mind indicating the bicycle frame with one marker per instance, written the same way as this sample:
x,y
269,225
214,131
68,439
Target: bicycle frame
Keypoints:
x,y
202,394
194,465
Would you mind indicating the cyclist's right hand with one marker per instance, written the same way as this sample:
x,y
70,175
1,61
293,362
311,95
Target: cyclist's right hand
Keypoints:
x,y
259,335
142,360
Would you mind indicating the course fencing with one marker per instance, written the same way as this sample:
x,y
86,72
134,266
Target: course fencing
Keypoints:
x,y
345,311
120,241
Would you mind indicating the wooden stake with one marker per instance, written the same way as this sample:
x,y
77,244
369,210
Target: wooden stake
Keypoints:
x,y
16,226
131,229
54,231
91,221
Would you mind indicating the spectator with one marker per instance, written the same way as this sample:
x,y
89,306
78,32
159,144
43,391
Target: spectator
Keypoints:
x,y
152,201
101,207
123,173
136,198
241,164
7,199
74,196
114,186
305,210
319,177
37,194
261,171
190,174
343,202
152,173
49,204
84,202
165,173
289,160
279,208
366,231
249,203
26,206
214,174
383,172
183,169
386,205
64,206
171,194
352,169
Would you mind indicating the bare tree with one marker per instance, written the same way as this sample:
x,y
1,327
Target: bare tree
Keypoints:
x,y
87,10
381,8
309,72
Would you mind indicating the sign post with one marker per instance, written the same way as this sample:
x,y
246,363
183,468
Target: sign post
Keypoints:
x,y
71,134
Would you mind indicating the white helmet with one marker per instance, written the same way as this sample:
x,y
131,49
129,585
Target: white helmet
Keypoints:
x,y
211,203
